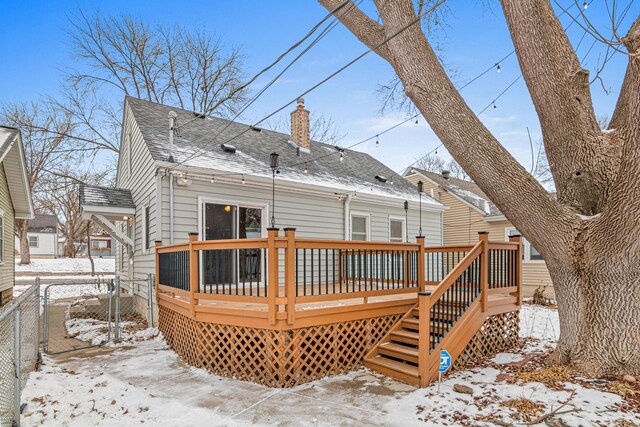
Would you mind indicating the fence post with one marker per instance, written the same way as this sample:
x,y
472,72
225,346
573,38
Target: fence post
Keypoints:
x,y
45,320
484,268
290,274
424,332
38,322
158,243
194,275
116,332
150,283
16,365
518,267
273,285
422,285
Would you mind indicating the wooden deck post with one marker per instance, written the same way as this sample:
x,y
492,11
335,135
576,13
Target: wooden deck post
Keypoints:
x,y
484,269
290,274
194,275
158,243
518,267
424,332
422,286
273,284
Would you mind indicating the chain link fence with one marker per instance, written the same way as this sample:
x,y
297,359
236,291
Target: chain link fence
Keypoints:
x,y
19,350
84,315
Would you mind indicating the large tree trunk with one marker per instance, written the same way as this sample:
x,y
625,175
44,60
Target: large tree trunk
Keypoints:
x,y
22,227
589,236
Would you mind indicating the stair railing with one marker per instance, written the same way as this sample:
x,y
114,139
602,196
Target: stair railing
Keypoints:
x,y
460,288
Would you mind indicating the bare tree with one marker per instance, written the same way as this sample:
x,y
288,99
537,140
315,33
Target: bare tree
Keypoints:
x,y
120,56
588,235
62,200
44,150
436,164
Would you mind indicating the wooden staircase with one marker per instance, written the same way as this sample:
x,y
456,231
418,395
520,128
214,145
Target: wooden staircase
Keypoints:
x,y
447,317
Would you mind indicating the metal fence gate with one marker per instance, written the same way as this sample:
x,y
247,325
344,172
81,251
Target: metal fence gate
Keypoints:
x,y
83,315
19,350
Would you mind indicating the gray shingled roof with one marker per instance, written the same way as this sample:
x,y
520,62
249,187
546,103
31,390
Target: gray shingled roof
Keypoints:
x,y
43,224
105,196
356,172
466,190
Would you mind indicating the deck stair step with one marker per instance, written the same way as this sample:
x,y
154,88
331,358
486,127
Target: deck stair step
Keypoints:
x,y
398,351
405,337
393,368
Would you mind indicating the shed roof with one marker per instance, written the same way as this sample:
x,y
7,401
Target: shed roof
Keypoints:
x,y
91,195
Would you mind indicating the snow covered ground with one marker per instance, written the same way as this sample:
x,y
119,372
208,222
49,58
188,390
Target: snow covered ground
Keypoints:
x,y
66,265
147,383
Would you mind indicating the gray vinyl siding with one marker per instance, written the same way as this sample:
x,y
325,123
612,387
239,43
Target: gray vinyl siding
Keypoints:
x,y
7,267
142,183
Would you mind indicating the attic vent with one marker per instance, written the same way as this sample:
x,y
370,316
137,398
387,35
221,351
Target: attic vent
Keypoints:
x,y
199,115
255,129
228,148
381,178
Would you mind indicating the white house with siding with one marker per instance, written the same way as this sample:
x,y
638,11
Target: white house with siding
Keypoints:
x,y
181,172
42,235
15,203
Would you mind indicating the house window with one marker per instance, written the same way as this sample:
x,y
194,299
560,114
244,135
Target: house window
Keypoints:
x,y
396,230
100,245
34,242
146,231
359,227
529,253
1,237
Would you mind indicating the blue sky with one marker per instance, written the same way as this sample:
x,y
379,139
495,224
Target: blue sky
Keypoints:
x,y
33,36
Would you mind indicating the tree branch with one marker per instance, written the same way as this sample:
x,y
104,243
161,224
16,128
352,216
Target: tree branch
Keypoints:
x,y
508,185
364,28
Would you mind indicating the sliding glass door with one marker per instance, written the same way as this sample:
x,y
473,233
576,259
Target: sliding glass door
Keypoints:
x,y
225,270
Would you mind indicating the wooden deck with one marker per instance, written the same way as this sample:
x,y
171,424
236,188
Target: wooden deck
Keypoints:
x,y
307,299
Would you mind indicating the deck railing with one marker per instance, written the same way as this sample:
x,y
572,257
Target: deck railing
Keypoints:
x,y
281,278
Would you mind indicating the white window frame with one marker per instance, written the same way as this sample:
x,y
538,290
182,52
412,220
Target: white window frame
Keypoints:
x,y
367,217
526,246
145,244
37,245
403,220
2,239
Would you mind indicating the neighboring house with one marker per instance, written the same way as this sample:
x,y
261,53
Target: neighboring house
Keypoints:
x,y
102,245
470,211
225,191
15,203
43,237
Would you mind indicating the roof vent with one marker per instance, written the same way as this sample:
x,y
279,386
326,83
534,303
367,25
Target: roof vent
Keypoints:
x,y
446,174
255,128
228,148
381,178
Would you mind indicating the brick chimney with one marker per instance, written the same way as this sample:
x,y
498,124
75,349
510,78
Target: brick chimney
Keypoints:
x,y
300,126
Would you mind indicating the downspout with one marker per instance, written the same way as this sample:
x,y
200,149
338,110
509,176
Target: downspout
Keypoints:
x,y
347,210
172,123
171,208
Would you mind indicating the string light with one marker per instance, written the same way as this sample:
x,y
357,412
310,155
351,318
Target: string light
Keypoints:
x,y
341,156
585,6
416,123
243,181
306,169
391,182
213,178
495,107
498,67
377,142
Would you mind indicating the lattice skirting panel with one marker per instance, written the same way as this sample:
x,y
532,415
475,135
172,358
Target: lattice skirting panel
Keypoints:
x,y
499,333
273,358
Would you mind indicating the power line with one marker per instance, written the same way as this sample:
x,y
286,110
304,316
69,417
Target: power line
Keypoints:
x,y
332,75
